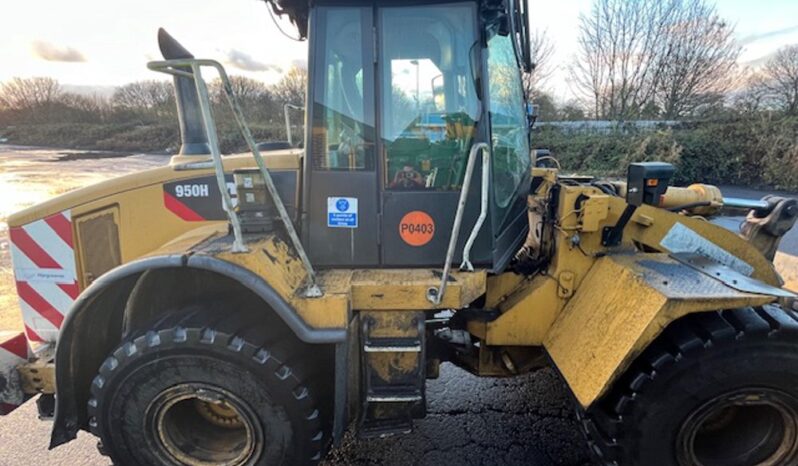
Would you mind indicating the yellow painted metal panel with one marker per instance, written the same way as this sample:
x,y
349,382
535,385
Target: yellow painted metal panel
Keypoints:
x,y
622,305
100,192
407,289
274,261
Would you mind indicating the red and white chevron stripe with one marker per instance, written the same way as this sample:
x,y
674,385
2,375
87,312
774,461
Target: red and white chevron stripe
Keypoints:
x,y
14,350
43,254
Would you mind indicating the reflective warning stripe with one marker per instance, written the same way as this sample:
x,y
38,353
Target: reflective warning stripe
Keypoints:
x,y
46,274
14,350
39,304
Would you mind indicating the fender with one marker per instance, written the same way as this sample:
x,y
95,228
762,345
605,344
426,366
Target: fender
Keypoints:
x,y
93,328
626,301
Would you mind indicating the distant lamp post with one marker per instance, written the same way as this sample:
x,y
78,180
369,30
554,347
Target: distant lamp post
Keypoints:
x,y
418,84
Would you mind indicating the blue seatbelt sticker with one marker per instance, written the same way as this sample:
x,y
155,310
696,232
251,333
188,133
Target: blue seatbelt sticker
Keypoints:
x,y
342,212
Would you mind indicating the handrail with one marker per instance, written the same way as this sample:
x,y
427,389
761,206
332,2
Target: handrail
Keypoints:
x,y
171,67
483,212
435,295
286,108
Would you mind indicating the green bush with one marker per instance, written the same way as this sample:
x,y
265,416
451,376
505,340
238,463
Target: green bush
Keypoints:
x,y
607,153
761,151
129,137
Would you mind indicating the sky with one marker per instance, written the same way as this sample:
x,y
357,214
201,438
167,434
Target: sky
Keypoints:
x,y
107,43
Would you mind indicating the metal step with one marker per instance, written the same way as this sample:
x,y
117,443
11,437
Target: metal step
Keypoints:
x,y
392,345
385,428
393,365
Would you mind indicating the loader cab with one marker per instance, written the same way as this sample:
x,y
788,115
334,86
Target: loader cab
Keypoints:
x,y
398,95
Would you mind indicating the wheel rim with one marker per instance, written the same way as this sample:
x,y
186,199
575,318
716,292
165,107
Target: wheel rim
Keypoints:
x,y
743,428
203,425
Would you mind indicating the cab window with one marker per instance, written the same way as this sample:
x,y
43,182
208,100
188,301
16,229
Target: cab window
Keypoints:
x,y
342,134
428,106
508,121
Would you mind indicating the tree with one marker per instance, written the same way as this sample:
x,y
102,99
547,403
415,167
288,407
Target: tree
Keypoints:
x,y
547,108
245,89
572,111
542,49
29,93
698,62
671,55
779,81
291,88
150,96
256,99
616,63
81,108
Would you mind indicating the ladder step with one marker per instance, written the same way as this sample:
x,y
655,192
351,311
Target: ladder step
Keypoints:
x,y
385,428
393,398
371,348
392,345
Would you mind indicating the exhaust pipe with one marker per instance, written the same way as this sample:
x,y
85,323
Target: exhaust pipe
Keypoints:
x,y
194,140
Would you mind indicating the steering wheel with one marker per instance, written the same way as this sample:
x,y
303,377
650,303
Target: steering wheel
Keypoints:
x,y
408,178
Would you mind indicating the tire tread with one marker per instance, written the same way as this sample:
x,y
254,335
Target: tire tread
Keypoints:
x,y
605,424
233,334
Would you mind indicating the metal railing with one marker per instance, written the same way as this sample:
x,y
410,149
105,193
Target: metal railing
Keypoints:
x,y
483,211
435,295
180,67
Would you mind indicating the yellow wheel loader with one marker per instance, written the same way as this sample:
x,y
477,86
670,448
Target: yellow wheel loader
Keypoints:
x,y
248,309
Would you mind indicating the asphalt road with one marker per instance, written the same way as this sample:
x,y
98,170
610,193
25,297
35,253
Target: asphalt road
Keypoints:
x,y
526,420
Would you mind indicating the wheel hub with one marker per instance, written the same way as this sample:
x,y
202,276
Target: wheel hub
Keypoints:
x,y
203,425
743,428
219,413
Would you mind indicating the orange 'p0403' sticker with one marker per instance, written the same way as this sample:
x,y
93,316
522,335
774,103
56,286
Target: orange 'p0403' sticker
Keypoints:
x,y
416,228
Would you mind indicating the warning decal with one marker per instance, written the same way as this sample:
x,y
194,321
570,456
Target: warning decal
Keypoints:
x,y
342,212
198,199
417,228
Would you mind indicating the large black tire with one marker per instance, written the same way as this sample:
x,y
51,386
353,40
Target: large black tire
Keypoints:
x,y
718,388
211,387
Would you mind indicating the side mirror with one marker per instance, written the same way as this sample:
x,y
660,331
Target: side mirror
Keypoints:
x,y
532,113
647,182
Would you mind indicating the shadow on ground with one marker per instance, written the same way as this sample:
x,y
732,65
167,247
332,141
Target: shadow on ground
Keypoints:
x,y
525,420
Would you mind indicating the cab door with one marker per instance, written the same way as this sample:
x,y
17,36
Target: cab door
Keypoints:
x,y
427,123
341,210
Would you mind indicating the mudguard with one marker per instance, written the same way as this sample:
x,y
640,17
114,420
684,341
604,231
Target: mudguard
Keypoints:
x,y
625,302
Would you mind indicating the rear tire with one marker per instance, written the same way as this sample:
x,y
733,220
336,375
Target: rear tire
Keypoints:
x,y
717,388
194,391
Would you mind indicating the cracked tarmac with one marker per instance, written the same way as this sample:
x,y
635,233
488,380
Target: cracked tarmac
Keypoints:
x,y
526,420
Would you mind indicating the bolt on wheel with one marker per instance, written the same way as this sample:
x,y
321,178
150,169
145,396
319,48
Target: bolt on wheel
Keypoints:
x,y
747,427
200,424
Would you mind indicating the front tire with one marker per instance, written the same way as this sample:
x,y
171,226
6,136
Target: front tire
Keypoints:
x,y
187,392
716,389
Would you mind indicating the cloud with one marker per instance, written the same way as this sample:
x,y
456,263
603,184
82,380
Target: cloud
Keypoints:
x,y
51,52
245,62
301,63
760,61
767,35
